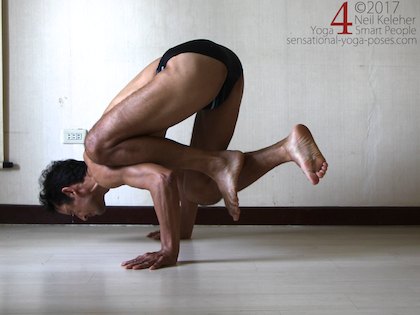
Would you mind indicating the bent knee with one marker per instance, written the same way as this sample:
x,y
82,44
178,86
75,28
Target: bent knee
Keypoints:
x,y
93,148
97,148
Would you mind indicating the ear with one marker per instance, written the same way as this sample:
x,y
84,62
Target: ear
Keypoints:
x,y
69,192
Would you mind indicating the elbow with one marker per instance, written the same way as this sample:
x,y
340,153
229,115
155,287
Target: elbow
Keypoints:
x,y
166,177
164,180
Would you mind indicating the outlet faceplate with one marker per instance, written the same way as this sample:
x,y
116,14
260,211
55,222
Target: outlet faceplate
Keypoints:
x,y
71,136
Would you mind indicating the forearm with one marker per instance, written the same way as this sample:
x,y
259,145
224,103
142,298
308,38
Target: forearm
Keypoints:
x,y
164,193
162,185
166,202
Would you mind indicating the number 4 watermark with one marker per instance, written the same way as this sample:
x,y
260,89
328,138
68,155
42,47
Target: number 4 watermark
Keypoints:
x,y
363,23
345,19
370,8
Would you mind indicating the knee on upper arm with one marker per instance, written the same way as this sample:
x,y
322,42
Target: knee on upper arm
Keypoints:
x,y
97,148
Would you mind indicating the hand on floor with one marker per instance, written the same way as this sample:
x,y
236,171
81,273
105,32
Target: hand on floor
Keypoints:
x,y
152,261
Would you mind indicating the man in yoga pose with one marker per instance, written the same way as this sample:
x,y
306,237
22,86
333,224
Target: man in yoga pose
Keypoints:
x,y
127,146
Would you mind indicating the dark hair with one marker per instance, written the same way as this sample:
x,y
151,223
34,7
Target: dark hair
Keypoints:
x,y
57,175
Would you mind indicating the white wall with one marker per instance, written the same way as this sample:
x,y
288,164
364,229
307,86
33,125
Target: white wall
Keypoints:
x,y
1,92
68,58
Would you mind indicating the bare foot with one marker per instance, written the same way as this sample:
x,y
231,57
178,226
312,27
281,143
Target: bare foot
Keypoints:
x,y
226,173
303,150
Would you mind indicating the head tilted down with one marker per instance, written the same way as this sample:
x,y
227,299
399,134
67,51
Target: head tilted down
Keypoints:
x,y
67,188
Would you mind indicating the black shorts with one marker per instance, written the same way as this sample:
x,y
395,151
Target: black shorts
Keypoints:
x,y
216,51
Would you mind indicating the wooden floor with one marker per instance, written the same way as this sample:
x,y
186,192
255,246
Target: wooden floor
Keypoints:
x,y
239,270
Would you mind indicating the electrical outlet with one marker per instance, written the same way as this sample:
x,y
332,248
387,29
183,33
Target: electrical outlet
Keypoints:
x,y
71,136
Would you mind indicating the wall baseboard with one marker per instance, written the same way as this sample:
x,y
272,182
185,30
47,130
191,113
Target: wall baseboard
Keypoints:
x,y
35,214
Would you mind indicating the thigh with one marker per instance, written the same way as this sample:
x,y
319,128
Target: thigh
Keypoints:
x,y
139,81
188,83
213,129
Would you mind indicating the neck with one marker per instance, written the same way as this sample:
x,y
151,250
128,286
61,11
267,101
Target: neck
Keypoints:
x,y
91,184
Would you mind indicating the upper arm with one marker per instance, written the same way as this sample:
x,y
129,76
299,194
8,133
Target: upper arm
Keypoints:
x,y
142,176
